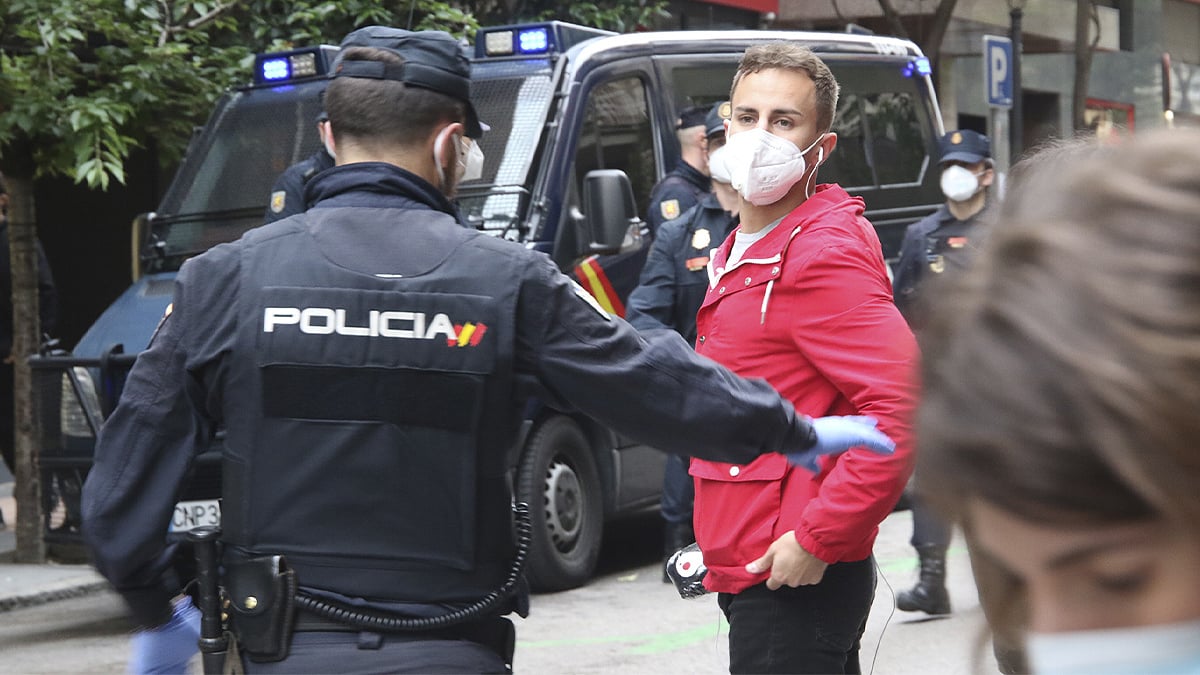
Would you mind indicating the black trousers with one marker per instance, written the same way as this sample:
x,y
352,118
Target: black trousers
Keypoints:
x,y
810,629
929,529
370,653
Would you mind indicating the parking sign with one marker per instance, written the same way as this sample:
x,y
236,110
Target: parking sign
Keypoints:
x,y
997,71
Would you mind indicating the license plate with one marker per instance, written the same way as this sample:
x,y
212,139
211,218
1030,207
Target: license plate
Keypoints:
x,y
190,515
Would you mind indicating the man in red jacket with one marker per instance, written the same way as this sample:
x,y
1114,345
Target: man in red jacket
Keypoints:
x,y
799,296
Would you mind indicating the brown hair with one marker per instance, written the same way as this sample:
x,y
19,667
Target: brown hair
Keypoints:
x,y
790,56
1062,371
385,111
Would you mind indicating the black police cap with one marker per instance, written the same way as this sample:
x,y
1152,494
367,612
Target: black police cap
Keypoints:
x,y
692,116
432,60
965,145
714,122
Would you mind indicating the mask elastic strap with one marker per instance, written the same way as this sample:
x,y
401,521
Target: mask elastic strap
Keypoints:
x,y
438,144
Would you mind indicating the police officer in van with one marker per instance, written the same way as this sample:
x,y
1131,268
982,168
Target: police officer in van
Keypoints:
x,y
287,194
369,361
942,242
688,182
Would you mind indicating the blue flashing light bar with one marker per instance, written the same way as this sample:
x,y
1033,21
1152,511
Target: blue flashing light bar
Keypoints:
x,y
297,64
273,70
533,41
918,67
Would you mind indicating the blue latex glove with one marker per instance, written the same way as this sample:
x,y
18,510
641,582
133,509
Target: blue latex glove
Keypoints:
x,y
836,435
169,647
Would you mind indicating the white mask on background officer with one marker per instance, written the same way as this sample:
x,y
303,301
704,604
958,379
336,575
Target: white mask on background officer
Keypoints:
x,y
966,164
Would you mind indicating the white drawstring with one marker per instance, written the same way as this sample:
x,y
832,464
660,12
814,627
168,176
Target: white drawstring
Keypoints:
x,y
766,299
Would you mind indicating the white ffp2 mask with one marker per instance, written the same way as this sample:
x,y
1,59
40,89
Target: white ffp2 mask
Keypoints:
x,y
472,166
763,167
1147,650
959,184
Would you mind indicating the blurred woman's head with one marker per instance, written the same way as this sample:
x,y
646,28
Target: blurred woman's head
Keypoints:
x,y
1061,418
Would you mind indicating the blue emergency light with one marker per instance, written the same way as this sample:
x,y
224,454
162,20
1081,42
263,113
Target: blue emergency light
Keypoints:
x,y
535,39
297,64
918,67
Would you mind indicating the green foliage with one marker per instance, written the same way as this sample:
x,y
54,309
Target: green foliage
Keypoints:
x,y
623,17
83,82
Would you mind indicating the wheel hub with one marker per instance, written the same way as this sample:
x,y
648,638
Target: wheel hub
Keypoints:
x,y
563,504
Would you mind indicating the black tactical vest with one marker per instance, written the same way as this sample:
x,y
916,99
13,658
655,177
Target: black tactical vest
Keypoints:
x,y
368,419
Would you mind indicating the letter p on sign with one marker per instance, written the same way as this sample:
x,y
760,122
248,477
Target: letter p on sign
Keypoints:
x,y
997,71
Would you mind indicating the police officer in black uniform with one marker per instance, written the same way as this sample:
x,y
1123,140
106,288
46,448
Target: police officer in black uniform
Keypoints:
x,y
688,182
369,361
669,293
944,239
287,194
939,243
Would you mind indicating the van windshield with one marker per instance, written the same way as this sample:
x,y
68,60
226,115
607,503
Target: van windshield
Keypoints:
x,y
513,98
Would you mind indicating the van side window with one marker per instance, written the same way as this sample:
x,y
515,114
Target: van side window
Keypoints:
x,y
616,134
881,136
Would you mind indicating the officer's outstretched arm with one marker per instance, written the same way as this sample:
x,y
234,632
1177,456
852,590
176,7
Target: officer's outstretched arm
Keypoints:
x,y
652,388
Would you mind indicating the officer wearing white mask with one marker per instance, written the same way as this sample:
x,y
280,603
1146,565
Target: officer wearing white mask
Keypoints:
x,y
943,240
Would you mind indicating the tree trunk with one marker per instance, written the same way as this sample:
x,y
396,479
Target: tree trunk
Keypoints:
x,y
1084,48
22,235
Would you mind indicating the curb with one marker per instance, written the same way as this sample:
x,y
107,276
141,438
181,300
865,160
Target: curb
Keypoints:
x,y
65,591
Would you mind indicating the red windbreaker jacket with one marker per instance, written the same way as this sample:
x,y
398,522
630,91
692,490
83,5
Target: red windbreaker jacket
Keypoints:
x,y
809,309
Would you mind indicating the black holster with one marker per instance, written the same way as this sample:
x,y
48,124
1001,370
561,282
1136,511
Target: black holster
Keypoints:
x,y
262,610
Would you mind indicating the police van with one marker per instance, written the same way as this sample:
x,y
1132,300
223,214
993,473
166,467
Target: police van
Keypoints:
x,y
582,126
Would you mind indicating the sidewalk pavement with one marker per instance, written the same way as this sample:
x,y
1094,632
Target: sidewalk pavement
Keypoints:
x,y
26,585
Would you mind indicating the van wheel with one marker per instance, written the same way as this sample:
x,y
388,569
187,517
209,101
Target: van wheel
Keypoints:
x,y
558,478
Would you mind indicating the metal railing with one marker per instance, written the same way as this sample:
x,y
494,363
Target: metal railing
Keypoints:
x,y
71,399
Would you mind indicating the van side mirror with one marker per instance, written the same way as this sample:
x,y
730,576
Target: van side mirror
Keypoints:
x,y
609,209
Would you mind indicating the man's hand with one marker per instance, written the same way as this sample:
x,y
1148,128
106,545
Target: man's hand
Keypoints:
x,y
789,563
169,647
836,435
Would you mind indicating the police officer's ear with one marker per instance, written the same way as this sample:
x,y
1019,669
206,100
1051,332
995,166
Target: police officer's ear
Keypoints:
x,y
447,144
988,176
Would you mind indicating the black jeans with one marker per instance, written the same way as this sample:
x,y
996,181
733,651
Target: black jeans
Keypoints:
x,y
810,629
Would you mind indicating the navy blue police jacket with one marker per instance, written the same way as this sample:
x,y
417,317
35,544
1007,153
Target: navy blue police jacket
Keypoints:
x,y
678,191
675,279
369,361
288,195
921,239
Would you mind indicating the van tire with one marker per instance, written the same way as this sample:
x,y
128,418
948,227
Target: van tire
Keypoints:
x,y
557,477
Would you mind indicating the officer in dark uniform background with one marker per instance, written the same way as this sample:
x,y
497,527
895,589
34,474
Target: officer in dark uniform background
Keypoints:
x,y
941,242
669,293
688,182
945,238
287,194
369,361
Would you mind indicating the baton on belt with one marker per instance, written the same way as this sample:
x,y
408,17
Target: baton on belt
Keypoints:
x,y
214,642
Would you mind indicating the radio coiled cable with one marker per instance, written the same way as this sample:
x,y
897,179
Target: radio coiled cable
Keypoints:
x,y
368,621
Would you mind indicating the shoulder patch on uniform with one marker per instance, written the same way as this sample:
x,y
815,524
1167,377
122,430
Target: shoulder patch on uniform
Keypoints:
x,y
278,199
165,316
591,301
669,209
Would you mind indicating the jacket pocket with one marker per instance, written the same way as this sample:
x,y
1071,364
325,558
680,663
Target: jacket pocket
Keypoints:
x,y
737,507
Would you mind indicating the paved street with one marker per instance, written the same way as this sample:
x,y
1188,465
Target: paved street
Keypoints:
x,y
626,621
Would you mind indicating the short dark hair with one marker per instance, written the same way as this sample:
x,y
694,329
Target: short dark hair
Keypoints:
x,y
386,111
